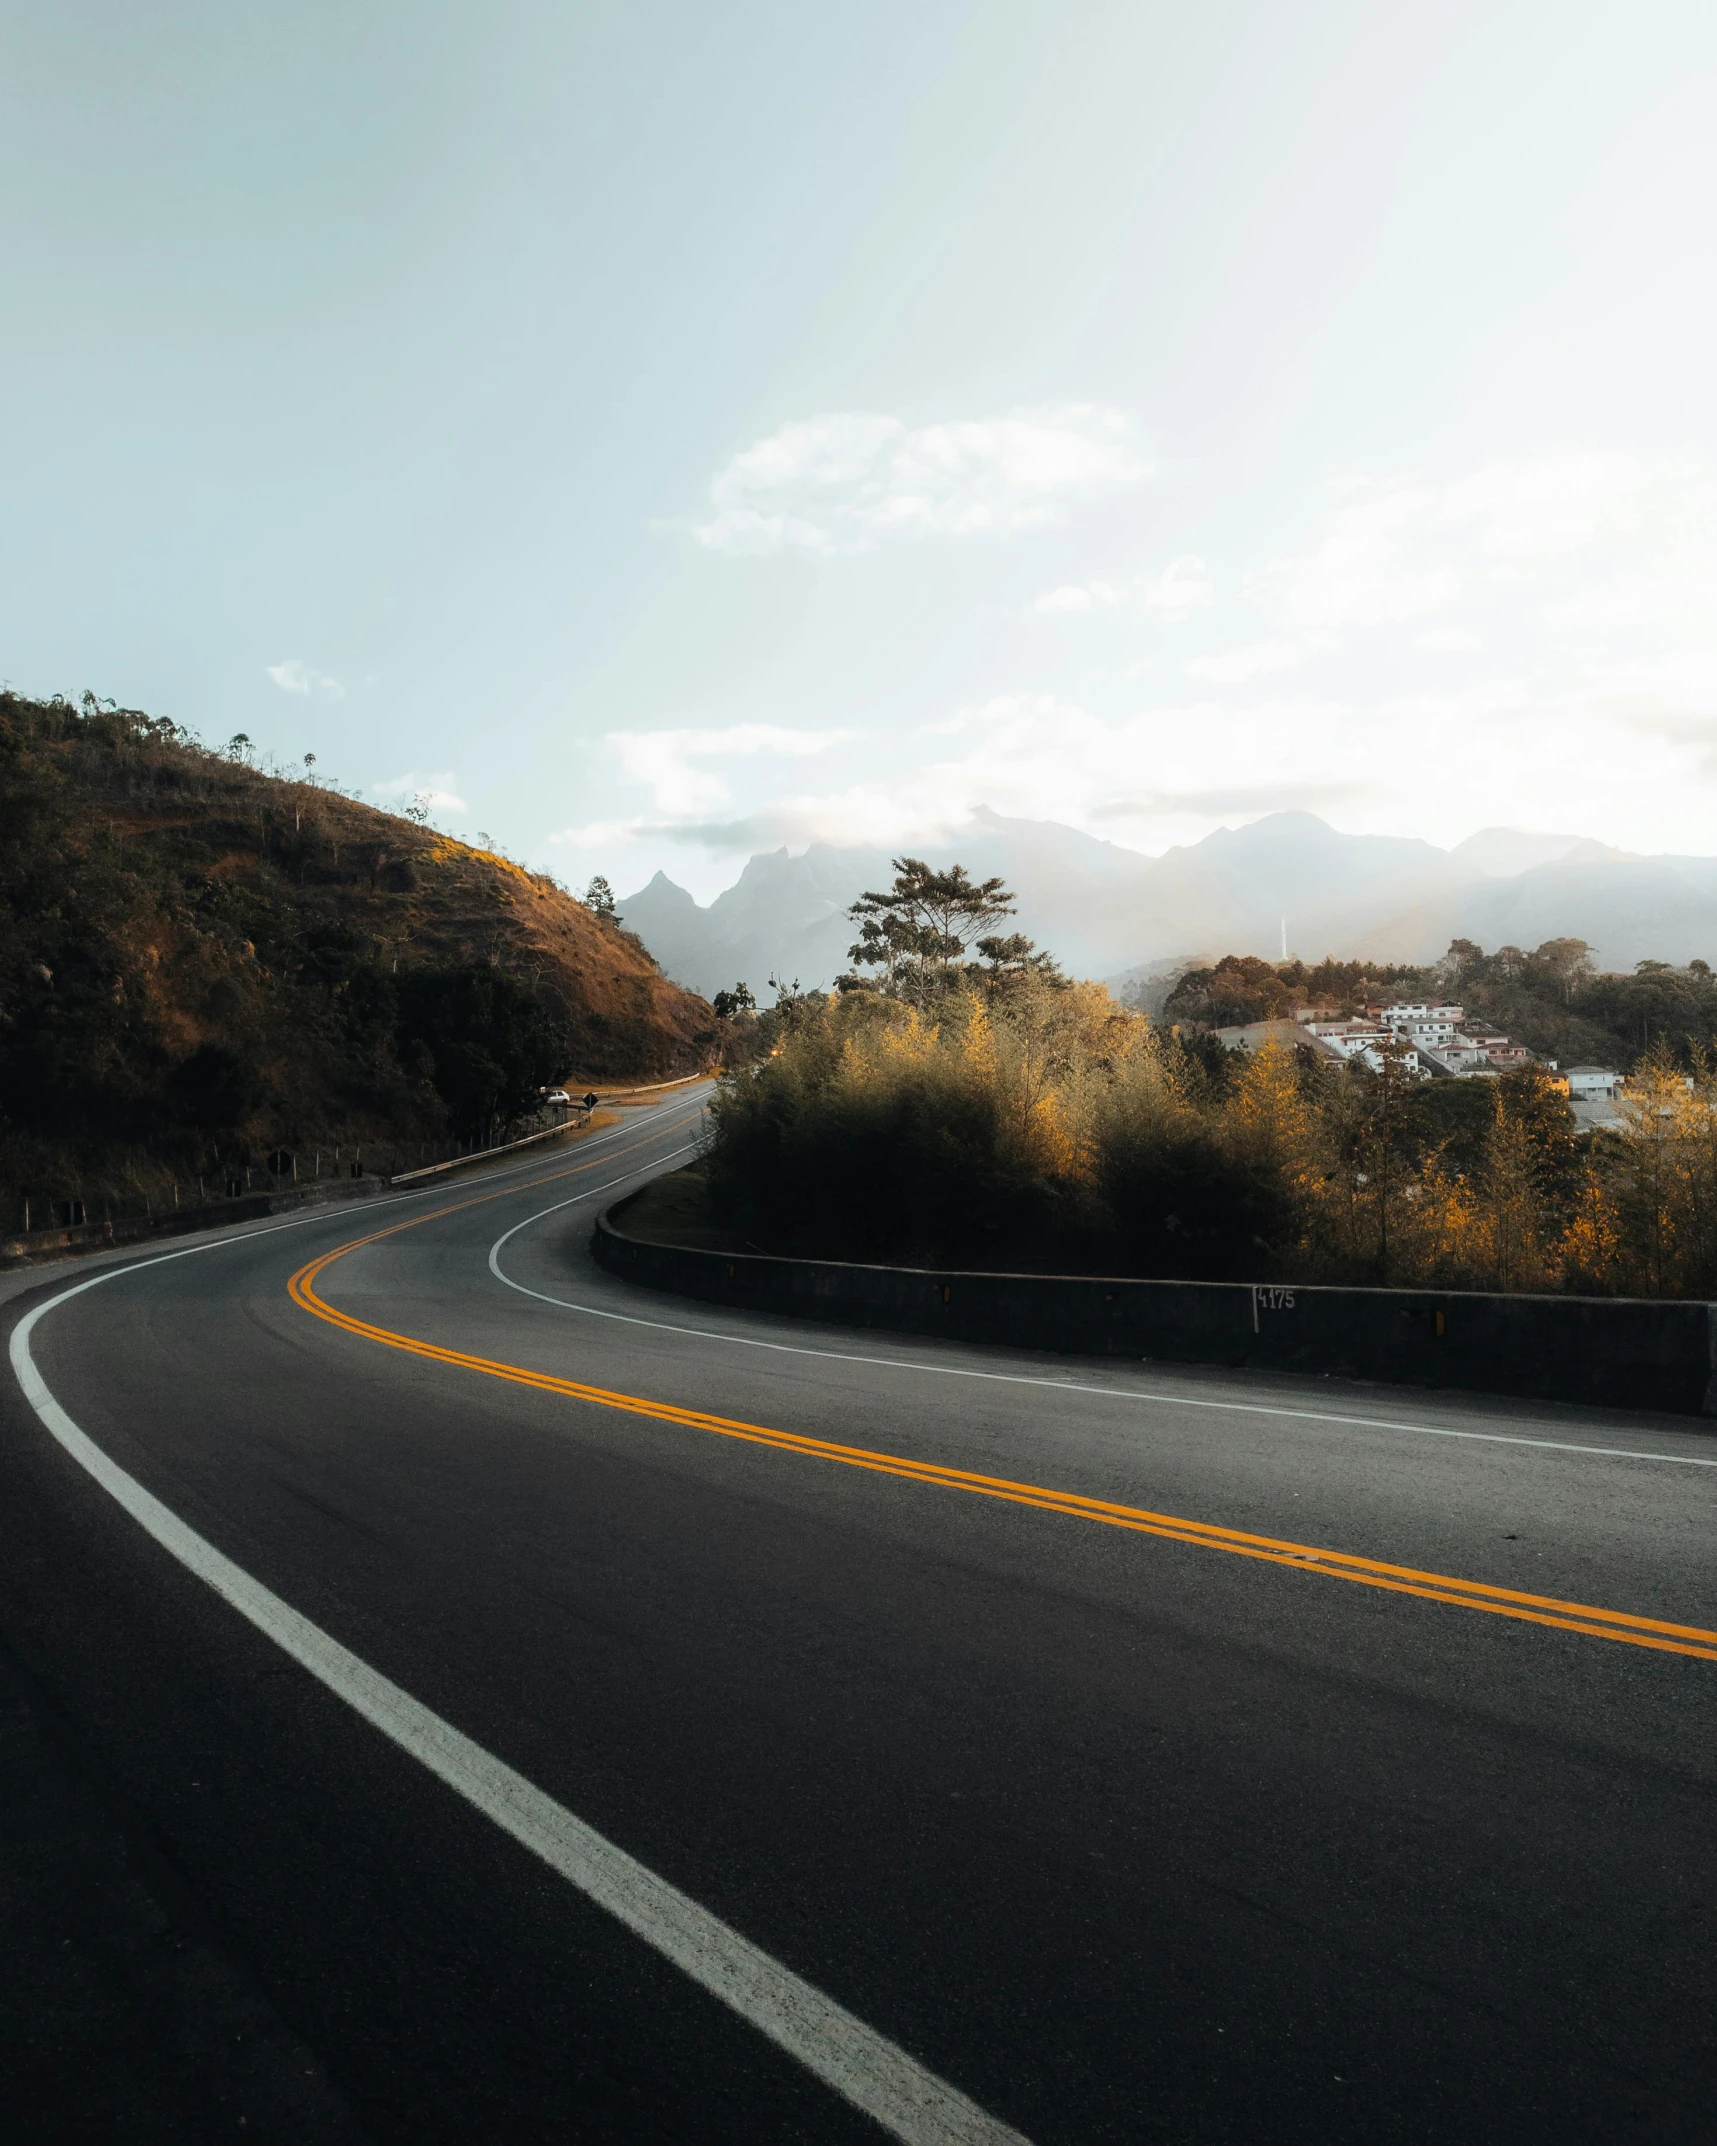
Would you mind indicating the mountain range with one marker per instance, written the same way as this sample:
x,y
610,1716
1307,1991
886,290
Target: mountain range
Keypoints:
x,y
1288,880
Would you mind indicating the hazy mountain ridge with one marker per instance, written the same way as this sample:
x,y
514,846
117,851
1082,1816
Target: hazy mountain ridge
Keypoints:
x,y
1107,911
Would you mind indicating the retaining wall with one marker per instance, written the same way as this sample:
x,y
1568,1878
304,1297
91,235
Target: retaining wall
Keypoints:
x,y
1620,1352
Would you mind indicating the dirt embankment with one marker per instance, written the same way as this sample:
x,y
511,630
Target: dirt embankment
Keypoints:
x,y
201,958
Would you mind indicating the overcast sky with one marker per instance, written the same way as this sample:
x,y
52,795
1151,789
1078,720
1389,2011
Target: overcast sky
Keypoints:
x,y
665,431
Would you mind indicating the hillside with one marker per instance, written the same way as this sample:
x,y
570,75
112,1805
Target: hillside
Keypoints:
x,y
199,960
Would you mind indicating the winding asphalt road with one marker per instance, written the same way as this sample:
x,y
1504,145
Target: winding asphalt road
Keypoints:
x,y
565,1712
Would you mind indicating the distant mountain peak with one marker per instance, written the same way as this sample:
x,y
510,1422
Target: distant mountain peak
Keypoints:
x,y
660,893
1502,852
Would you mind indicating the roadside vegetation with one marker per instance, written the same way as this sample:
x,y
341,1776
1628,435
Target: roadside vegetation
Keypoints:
x,y
204,961
965,1105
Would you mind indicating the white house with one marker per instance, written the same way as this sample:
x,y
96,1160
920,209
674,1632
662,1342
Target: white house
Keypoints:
x,y
1362,1040
1329,1041
1459,1057
1434,1026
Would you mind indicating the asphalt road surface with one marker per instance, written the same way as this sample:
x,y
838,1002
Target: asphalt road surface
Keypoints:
x,y
482,1701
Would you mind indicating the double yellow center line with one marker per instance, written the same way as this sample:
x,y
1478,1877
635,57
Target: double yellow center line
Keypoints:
x,y
1550,1610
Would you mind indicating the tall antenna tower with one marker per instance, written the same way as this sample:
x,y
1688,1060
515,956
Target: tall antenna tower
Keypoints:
x,y
1284,938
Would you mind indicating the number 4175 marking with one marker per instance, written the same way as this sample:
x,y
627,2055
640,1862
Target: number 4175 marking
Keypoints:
x,y
1269,1299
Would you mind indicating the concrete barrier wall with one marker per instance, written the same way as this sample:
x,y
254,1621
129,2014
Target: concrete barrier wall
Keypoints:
x,y
1621,1352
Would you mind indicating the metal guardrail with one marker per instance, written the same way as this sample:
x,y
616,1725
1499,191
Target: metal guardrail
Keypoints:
x,y
458,1162
680,1080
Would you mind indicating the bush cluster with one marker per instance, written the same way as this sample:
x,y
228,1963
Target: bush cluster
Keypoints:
x,y
1040,1126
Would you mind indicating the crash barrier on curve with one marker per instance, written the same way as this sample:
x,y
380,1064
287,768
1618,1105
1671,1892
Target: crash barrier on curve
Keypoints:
x,y
1618,1352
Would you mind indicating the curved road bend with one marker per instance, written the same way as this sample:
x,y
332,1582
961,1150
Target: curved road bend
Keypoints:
x,y
590,1715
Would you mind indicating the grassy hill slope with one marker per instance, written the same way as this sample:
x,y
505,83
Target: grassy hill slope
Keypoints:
x,y
200,962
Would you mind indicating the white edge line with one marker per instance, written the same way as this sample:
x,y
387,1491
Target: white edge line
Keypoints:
x,y
1053,1385
868,2070
228,1233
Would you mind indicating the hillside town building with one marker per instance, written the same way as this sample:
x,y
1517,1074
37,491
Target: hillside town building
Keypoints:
x,y
1430,1042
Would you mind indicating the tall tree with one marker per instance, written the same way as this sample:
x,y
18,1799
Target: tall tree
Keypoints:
x,y
925,922
1008,959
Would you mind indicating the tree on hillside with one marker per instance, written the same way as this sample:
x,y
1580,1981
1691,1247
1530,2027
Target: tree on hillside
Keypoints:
x,y
599,900
1554,1000
729,1005
1561,967
1457,968
920,927
1007,960
1239,989
486,1041
896,946
1676,1006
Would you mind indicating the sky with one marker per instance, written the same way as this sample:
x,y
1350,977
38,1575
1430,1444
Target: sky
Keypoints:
x,y
657,432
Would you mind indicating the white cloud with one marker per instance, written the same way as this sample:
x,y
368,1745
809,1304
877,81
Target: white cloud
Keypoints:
x,y
1183,585
1676,586
1359,575
1239,664
1579,523
600,834
1675,678
1544,630
1602,756
847,481
1535,510
1435,764
1159,775
433,791
1071,597
665,759
296,676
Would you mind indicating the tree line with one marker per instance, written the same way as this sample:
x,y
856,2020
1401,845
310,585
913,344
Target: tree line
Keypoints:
x,y
1552,998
